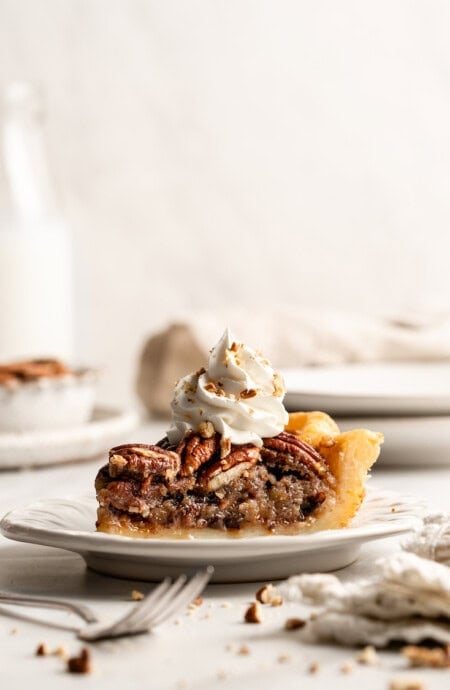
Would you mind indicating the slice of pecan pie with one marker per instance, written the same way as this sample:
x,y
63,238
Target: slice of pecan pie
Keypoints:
x,y
310,477
235,461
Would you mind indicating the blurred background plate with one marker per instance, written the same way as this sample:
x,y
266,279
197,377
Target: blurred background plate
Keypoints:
x,y
359,389
107,428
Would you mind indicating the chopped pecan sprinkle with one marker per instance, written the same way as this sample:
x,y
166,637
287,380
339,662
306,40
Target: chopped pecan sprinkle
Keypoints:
x,y
81,663
247,393
278,385
136,595
253,613
206,430
225,447
313,667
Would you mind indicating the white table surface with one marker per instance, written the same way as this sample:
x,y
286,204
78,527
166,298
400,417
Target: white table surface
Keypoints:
x,y
190,651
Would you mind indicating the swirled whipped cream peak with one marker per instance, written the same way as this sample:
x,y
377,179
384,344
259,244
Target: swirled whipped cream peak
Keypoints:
x,y
239,394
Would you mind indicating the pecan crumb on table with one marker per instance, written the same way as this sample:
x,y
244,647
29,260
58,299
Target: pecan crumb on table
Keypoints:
x,y
368,656
268,594
347,667
405,683
253,613
81,663
435,657
294,624
42,649
136,595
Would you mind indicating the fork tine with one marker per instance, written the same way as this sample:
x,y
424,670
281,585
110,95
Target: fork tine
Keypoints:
x,y
121,627
150,605
127,620
182,599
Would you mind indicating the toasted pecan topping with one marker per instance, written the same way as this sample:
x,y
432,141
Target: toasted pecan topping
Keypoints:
x,y
142,461
196,452
289,452
223,471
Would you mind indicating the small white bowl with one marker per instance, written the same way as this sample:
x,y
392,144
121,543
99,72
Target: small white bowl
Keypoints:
x,y
48,403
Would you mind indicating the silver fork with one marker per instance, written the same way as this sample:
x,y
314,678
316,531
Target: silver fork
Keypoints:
x,y
163,602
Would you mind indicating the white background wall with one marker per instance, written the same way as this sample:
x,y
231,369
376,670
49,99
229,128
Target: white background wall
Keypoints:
x,y
211,152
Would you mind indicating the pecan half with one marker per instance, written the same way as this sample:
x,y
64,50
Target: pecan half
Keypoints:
x,y
196,452
288,452
142,460
223,471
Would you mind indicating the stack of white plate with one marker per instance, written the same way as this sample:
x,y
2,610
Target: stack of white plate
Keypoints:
x,y
408,403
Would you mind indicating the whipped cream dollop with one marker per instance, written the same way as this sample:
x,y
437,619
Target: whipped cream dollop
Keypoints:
x,y
239,394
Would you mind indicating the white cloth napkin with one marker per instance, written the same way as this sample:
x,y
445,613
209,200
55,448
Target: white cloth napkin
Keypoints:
x,y
407,598
432,540
289,336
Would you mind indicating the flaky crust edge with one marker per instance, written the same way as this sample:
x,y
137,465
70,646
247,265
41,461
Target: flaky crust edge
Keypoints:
x,y
349,455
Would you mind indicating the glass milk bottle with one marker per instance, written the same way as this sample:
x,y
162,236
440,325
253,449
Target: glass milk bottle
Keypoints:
x,y
35,253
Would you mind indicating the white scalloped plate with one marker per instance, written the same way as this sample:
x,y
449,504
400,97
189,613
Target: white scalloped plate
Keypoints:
x,y
69,523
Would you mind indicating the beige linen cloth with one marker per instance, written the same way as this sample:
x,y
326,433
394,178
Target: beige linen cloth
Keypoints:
x,y
289,337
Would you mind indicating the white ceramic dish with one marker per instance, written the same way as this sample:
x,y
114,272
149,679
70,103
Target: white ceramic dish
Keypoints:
x,y
69,523
383,389
408,441
48,403
106,428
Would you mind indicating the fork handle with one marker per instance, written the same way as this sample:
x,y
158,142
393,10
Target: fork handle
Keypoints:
x,y
83,612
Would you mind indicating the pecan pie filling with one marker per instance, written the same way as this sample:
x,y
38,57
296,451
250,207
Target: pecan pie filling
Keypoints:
x,y
152,488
